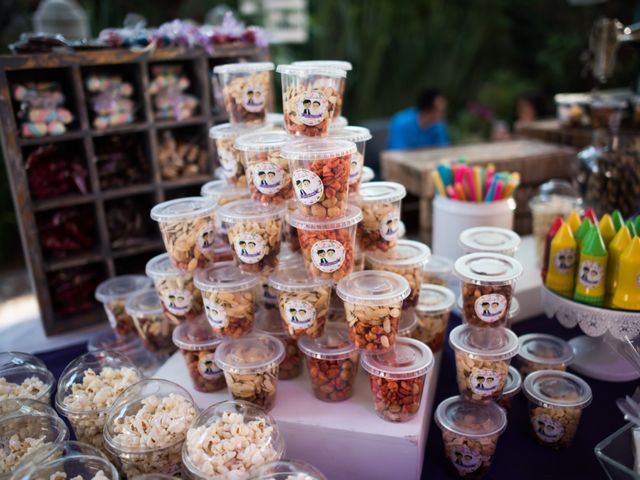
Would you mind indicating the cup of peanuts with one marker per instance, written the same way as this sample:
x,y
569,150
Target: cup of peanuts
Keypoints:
x,y
398,378
188,231
380,205
470,433
406,259
360,136
437,271
482,360
246,90
514,309
540,351
287,469
332,363
487,285
250,366
229,297
327,246
114,294
154,327
432,314
372,303
224,136
408,324
221,193
291,233
511,388
269,323
556,400
489,240
337,64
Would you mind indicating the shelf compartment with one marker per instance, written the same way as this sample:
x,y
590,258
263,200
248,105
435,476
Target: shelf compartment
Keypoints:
x,y
122,161
128,222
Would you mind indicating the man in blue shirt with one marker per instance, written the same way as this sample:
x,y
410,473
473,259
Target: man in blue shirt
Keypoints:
x,y
422,125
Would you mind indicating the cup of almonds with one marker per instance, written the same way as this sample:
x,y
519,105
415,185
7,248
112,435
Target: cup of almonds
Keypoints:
x,y
380,204
372,303
511,388
337,64
437,271
114,294
250,366
188,232
539,351
432,313
269,323
398,378
224,136
154,327
359,136
229,297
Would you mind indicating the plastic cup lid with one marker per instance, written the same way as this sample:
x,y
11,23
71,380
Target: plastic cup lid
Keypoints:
x,y
143,304
488,269
314,149
269,323
438,264
228,130
514,306
382,192
409,358
294,279
110,340
286,470
220,189
407,324
244,67
498,344
407,253
19,359
122,287
341,64
554,388
182,209
275,118
262,140
351,217
470,419
24,406
338,124
489,239
195,335
513,384
352,134
225,276
288,256
367,174
247,210
373,287
333,344
434,299
254,352
311,70
160,266
545,349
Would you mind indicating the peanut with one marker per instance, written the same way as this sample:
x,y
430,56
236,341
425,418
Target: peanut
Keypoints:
x,y
316,245
333,380
480,379
245,97
230,313
189,243
304,312
397,400
373,328
486,305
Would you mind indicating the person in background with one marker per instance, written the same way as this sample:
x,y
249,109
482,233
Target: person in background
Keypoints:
x,y
422,125
530,107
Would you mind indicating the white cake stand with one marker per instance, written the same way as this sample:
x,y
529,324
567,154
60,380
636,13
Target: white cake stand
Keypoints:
x,y
594,355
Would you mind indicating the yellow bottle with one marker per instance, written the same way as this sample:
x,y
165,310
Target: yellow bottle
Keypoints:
x,y
574,221
617,246
607,229
592,269
627,294
562,262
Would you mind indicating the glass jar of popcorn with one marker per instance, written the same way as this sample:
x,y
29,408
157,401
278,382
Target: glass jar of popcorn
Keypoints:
x,y
270,323
432,313
489,239
437,271
114,294
540,351
511,388
287,470
154,327
25,380
360,136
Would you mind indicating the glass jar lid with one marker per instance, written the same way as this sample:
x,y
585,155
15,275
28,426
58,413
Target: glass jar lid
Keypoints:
x,y
489,239
554,388
122,287
435,299
252,353
488,269
187,208
496,343
19,359
409,358
333,344
373,287
225,276
407,253
381,192
244,67
351,217
513,383
315,149
262,140
470,419
545,349
144,304
195,335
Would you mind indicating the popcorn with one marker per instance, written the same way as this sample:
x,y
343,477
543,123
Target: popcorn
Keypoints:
x,y
31,387
16,449
59,475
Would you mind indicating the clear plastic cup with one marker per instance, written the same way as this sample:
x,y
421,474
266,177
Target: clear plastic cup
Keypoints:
x,y
287,470
320,176
154,327
556,401
328,245
358,261
275,120
311,98
338,123
198,345
482,360
181,300
88,386
25,380
406,259
372,303
130,346
303,301
291,232
220,192
267,170
332,363
246,90
19,359
229,297
250,366
360,136
270,324
470,433
432,313
224,136
229,440
408,324
114,294
367,174
487,285
23,406
437,271
380,203
489,240
188,230
540,351
511,388
514,309
398,378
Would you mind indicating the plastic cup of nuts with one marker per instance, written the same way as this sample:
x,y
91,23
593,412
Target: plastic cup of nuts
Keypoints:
x,y
408,324
187,227
406,259
337,64
229,297
224,136
88,387
359,136
154,327
367,174
147,425
269,323
114,294
470,433
380,204
539,351
198,344
398,378
254,232
511,388
246,90
267,170
291,232
372,303
432,313
220,192
229,440
482,360
250,366
556,400
514,309
487,285
22,379
437,271
489,240
332,363
287,470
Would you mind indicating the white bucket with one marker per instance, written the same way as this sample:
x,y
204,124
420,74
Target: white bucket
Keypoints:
x,y
452,217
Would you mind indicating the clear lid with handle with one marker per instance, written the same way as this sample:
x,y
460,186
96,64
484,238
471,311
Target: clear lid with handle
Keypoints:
x,y
340,64
498,344
489,239
314,149
513,384
220,189
144,304
122,287
195,335
225,276
556,191
545,349
160,267
351,133
247,210
182,209
244,67
382,192
488,269
333,344
262,140
311,70
407,253
292,278
435,299
351,217
252,353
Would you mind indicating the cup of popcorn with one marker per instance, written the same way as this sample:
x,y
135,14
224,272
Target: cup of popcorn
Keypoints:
x,y
187,228
432,315
250,366
380,204
246,90
406,259
511,388
437,271
482,360
229,297
24,376
360,136
287,469
230,160
20,406
229,440
327,246
367,174
556,400
372,303
88,386
332,363
339,65
489,240
154,327
487,284
269,323
539,351
19,359
398,378
470,433
114,294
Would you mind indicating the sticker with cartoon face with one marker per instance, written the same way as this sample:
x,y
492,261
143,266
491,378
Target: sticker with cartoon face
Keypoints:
x,y
355,168
311,108
327,255
249,247
228,162
267,177
491,308
590,274
308,186
207,366
465,459
216,314
253,98
390,225
268,295
206,238
546,428
565,260
299,314
176,301
484,381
